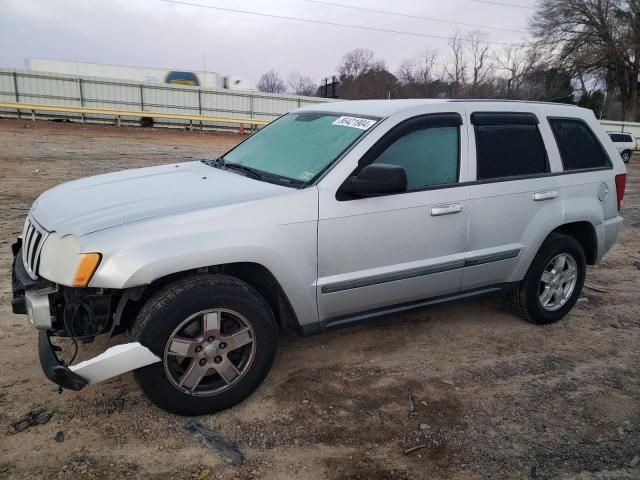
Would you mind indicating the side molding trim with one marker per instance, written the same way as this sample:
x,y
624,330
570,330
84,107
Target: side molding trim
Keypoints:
x,y
417,272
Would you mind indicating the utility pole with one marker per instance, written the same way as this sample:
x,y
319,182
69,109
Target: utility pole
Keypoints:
x,y
329,87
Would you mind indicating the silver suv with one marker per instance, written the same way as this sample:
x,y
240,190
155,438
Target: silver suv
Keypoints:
x,y
330,216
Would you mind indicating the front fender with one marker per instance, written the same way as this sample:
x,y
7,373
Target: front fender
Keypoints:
x,y
141,253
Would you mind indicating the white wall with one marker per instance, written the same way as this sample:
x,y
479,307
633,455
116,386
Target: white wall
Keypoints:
x,y
614,126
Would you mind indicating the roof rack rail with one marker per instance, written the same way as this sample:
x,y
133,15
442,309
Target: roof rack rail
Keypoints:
x,y
504,100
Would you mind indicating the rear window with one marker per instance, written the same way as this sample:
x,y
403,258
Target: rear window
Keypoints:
x,y
579,147
508,145
620,137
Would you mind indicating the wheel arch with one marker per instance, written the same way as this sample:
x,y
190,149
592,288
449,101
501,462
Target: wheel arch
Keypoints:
x,y
256,275
585,233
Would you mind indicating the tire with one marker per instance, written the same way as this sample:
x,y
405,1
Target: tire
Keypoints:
x,y
226,302
626,156
526,298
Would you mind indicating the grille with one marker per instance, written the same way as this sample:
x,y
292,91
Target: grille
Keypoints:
x,y
33,238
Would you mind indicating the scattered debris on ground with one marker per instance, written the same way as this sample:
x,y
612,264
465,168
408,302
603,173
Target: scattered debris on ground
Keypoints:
x,y
215,442
35,417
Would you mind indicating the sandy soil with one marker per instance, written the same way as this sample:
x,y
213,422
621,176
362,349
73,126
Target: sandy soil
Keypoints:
x,y
494,396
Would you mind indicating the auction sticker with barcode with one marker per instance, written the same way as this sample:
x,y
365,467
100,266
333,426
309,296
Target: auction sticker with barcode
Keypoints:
x,y
355,122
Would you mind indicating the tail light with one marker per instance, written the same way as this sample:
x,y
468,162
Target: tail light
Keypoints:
x,y
621,182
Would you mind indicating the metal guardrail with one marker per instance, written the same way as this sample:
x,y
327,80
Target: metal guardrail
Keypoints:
x,y
118,114
99,100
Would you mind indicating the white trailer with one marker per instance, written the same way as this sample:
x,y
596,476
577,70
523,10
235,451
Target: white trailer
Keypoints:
x,y
123,72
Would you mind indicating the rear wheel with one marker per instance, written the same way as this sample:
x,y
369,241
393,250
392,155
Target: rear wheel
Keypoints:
x,y
626,156
554,281
216,337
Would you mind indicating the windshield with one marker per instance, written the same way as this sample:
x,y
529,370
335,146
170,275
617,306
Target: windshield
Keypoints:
x,y
299,146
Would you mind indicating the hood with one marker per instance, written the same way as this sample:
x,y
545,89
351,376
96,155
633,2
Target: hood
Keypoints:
x,y
95,203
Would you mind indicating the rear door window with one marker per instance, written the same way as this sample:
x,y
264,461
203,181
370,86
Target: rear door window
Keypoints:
x,y
578,145
508,145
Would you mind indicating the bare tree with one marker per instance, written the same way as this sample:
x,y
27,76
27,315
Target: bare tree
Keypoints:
x,y
481,65
420,70
359,61
517,61
301,85
457,69
271,82
600,38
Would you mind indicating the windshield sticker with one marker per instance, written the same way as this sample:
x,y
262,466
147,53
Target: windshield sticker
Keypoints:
x,y
307,175
355,122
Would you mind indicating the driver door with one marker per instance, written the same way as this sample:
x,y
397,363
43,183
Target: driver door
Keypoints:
x,y
389,251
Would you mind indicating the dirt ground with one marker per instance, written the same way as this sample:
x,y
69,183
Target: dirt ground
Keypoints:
x,y
494,397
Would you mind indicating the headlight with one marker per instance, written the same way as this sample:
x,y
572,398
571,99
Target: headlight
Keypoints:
x,y
87,267
61,261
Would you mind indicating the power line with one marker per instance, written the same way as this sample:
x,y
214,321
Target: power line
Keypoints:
x,y
324,22
503,4
406,15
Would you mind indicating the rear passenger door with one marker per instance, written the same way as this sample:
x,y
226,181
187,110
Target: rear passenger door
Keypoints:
x,y
514,197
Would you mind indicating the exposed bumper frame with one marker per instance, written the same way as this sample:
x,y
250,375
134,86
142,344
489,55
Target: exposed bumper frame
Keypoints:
x,y
53,369
112,362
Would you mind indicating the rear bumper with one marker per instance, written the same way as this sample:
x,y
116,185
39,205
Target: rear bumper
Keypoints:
x,y
610,230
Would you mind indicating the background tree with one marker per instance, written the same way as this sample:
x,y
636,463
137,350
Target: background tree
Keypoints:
x,y
456,69
301,85
357,62
597,38
481,65
271,82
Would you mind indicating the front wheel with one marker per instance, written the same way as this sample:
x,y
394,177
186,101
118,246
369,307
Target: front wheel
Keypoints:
x,y
553,282
626,156
217,340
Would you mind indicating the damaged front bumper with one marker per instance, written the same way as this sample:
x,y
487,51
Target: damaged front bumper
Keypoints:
x,y
53,369
34,299
112,362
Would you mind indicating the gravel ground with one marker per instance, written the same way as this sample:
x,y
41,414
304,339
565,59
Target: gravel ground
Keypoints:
x,y
484,394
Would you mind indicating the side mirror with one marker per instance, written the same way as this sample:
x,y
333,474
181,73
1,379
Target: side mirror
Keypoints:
x,y
376,179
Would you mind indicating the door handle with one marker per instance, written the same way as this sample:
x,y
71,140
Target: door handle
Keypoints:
x,y
446,209
541,196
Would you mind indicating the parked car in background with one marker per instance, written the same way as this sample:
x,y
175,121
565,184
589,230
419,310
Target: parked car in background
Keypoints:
x,y
625,143
330,216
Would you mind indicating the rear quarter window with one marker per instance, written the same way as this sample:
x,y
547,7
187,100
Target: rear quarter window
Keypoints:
x,y
579,148
620,137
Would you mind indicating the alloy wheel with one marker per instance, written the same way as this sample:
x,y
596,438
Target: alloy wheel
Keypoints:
x,y
558,282
209,352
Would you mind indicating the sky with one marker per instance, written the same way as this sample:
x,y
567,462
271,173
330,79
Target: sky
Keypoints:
x,y
155,33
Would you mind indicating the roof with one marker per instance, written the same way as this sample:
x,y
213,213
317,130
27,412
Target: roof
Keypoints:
x,y
384,108
375,108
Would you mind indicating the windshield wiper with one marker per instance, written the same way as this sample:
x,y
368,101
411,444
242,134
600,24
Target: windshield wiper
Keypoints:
x,y
220,163
254,172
